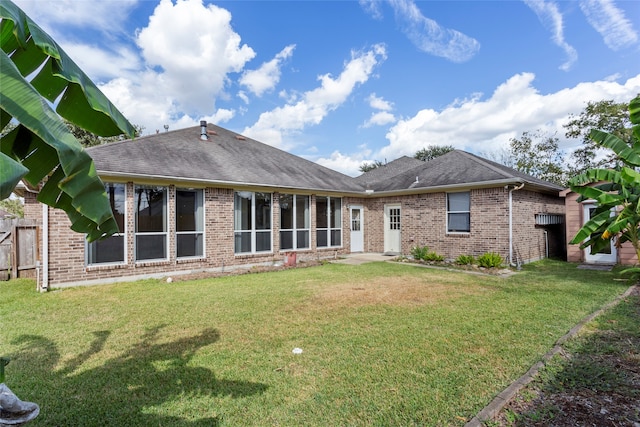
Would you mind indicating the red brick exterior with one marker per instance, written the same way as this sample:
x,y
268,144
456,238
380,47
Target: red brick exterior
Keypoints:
x,y
423,219
423,222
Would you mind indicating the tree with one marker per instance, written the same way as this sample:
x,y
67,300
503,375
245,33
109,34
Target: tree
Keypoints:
x,y
538,155
13,206
41,148
430,152
366,167
606,116
90,139
616,191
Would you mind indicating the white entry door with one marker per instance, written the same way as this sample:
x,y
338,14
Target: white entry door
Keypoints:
x,y
608,255
357,229
392,241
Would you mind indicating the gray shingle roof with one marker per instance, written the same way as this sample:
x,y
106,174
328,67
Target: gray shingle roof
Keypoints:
x,y
230,159
458,168
225,157
388,171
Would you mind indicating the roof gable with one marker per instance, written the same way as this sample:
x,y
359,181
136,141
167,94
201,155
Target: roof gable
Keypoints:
x,y
225,157
458,168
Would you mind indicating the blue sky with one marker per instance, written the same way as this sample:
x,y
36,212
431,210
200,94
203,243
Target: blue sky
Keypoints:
x,y
344,82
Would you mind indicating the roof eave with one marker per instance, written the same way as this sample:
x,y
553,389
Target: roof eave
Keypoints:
x,y
173,180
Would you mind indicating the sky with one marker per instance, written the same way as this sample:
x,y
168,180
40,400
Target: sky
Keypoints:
x,y
346,82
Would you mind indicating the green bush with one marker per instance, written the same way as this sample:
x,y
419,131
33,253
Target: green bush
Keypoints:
x,y
490,260
432,256
465,260
419,252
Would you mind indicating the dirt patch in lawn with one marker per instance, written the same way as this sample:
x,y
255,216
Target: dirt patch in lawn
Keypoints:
x,y
400,291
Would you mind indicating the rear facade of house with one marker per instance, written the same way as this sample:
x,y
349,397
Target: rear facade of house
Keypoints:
x,y
208,200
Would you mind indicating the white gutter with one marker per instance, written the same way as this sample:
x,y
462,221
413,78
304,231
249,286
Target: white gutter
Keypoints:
x,y
45,248
511,223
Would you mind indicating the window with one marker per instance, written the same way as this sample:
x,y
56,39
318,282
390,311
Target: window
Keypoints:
x,y
328,221
458,212
294,222
189,223
151,223
111,249
252,222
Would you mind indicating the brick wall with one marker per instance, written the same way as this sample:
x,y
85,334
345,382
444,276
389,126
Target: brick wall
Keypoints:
x,y
67,265
423,223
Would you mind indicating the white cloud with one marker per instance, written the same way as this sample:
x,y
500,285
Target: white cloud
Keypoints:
x,y
485,126
349,165
425,33
274,126
196,55
102,15
610,22
380,118
268,75
515,106
551,18
101,64
379,103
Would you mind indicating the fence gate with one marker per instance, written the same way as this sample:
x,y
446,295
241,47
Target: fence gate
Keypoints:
x,y
18,248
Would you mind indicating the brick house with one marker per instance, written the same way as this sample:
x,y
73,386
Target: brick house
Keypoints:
x,y
208,200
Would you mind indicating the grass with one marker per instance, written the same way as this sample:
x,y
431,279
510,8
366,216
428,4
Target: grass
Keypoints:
x,y
594,381
383,344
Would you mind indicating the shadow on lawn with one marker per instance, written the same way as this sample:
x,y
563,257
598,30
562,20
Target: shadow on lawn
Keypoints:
x,y
125,389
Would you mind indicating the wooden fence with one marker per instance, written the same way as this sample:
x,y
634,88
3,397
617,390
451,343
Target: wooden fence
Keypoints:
x,y
18,248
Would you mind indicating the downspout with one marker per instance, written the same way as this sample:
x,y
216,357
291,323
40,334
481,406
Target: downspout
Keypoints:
x,y
45,248
511,263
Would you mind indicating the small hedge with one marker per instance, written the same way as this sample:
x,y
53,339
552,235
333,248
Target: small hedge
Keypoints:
x,y
490,260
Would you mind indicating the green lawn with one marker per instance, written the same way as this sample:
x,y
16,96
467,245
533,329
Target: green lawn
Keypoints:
x,y
383,344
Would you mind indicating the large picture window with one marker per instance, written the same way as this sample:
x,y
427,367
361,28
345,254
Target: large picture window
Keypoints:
x,y
252,222
111,249
295,222
151,223
328,222
189,223
459,212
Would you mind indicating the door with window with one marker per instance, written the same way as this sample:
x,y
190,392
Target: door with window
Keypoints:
x,y
606,256
392,230
357,231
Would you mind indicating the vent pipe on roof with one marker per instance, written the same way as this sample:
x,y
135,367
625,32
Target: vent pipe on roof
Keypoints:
x,y
203,130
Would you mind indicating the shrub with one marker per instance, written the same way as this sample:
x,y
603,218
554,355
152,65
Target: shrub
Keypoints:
x,y
490,260
465,260
419,252
432,256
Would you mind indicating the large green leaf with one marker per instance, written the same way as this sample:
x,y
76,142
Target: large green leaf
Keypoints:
x,y
42,143
82,103
41,148
634,115
617,145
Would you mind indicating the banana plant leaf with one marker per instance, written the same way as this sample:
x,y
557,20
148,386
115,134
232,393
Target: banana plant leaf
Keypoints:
x,y
41,148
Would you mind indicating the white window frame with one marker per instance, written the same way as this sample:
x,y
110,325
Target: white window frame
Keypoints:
x,y
330,229
200,218
164,233
467,212
122,233
296,229
253,231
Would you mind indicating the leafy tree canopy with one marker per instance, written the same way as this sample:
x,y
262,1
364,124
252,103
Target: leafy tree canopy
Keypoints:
x,y
430,152
366,167
607,116
538,155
